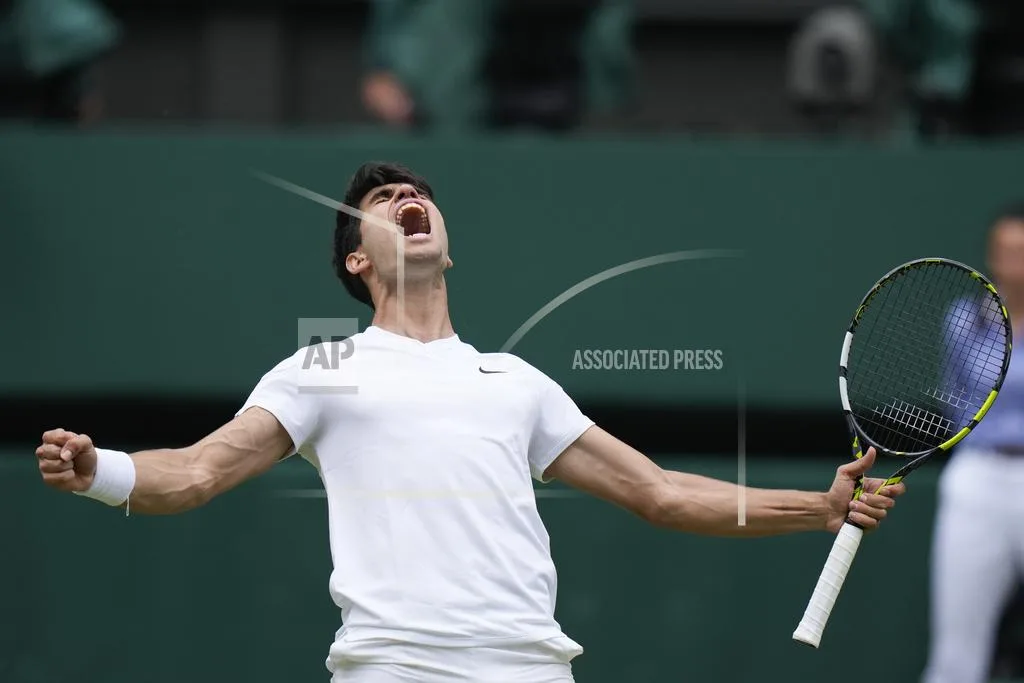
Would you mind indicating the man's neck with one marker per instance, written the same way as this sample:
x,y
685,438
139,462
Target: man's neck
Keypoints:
x,y
421,313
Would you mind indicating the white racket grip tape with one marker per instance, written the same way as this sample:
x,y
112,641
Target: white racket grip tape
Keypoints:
x,y
829,584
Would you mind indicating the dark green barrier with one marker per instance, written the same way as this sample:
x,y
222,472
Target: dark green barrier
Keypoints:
x,y
138,263
237,591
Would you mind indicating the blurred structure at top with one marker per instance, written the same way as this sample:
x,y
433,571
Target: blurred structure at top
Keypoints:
x,y
905,69
833,68
464,64
958,64
47,50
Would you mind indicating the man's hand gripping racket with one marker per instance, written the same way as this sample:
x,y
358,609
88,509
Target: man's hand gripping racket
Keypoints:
x,y
922,362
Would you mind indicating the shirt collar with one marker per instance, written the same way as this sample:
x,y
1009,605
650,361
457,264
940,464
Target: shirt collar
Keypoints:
x,y
385,335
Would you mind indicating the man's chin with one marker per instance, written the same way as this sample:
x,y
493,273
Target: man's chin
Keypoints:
x,y
424,253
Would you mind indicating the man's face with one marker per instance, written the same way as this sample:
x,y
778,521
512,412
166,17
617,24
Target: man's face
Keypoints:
x,y
423,242
1006,253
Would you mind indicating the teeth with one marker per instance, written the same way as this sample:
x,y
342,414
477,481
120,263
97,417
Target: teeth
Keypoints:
x,y
422,228
402,209
424,223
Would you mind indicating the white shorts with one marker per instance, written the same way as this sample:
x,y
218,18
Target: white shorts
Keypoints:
x,y
366,662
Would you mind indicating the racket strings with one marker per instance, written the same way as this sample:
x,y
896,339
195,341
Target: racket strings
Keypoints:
x,y
908,420
980,352
929,425
928,349
918,429
886,365
977,355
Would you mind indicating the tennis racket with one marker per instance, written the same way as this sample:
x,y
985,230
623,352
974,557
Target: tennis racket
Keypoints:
x,y
922,362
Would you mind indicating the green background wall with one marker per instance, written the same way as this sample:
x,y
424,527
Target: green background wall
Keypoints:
x,y
137,264
237,591
159,264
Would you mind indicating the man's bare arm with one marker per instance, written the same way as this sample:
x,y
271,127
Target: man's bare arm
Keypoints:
x,y
607,468
169,481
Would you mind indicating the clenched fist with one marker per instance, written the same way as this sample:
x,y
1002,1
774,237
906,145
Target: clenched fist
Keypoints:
x,y
874,502
67,460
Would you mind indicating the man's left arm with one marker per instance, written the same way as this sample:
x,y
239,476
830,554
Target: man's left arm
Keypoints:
x,y
602,465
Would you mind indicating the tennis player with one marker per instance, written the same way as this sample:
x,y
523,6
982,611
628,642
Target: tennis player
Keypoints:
x,y
442,567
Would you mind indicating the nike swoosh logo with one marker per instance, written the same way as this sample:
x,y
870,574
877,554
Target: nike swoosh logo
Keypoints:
x,y
494,372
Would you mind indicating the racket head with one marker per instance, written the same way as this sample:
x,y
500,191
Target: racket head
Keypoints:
x,y
923,359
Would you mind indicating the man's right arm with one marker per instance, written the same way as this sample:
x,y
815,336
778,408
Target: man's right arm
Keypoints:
x,y
169,481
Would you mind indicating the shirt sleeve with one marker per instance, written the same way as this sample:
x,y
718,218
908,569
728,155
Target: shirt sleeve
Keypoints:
x,y
279,394
559,422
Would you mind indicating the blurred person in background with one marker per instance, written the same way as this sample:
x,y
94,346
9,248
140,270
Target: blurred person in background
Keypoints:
x,y
47,51
978,552
463,64
932,41
961,60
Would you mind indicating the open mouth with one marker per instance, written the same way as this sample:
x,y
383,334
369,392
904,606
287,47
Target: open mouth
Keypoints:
x,y
412,218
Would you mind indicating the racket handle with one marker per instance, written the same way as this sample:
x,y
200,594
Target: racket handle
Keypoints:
x,y
829,584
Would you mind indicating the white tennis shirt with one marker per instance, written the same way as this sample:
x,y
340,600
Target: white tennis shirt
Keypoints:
x,y
428,466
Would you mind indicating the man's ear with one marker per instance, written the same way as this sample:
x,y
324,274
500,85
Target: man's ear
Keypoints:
x,y
356,262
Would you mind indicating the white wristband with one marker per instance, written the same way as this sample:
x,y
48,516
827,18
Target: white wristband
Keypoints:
x,y
114,478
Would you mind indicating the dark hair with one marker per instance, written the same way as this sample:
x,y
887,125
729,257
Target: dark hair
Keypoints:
x,y
1010,212
347,237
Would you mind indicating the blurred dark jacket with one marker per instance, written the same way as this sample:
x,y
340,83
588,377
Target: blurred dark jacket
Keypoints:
x,y
933,39
477,63
46,47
